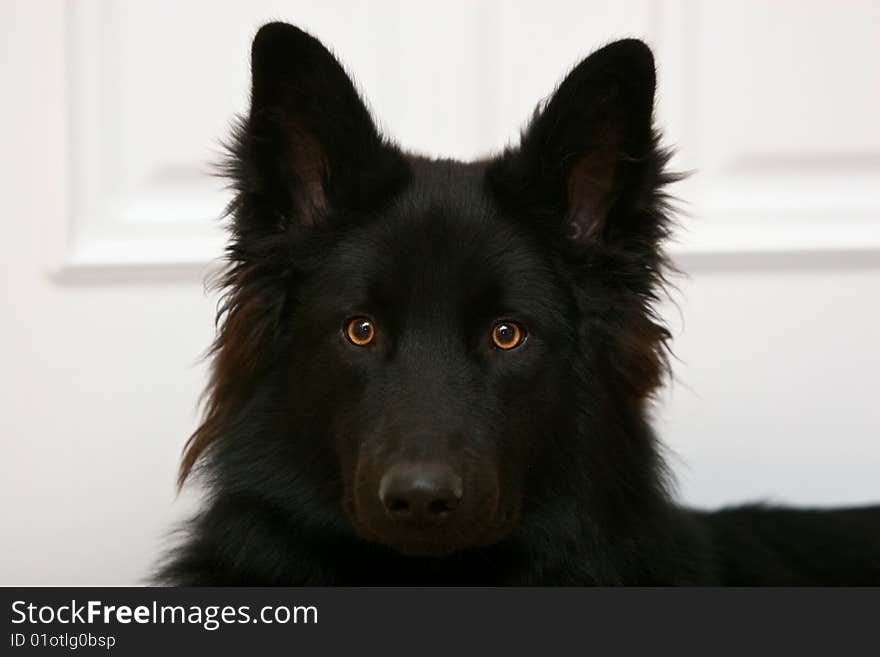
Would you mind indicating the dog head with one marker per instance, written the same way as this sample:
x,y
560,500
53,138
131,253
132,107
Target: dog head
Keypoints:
x,y
411,348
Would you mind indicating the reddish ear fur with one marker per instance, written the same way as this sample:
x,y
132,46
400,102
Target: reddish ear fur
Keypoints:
x,y
248,318
590,189
645,362
310,168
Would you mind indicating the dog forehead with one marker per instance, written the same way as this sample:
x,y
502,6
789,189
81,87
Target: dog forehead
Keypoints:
x,y
427,254
445,261
445,225
442,249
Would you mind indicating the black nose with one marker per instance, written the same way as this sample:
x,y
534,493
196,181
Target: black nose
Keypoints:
x,y
422,491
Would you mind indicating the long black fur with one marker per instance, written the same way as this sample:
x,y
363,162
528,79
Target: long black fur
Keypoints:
x,y
564,233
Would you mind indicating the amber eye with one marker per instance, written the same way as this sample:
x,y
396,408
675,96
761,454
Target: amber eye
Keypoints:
x,y
360,331
507,335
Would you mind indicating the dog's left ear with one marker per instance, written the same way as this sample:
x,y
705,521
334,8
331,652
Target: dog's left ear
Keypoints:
x,y
589,154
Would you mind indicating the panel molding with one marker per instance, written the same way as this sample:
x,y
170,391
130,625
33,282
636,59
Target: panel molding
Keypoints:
x,y
172,221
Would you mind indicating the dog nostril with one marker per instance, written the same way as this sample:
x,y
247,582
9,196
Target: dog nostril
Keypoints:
x,y
420,491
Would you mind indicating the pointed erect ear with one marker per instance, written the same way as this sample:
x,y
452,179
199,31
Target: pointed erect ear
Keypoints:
x,y
309,145
585,154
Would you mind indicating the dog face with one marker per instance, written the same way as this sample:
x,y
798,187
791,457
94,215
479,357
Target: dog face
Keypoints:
x,y
434,337
408,344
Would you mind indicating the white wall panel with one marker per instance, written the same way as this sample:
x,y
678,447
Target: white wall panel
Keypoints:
x,y
782,129
774,396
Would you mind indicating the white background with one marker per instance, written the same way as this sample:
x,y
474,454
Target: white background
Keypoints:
x,y
112,112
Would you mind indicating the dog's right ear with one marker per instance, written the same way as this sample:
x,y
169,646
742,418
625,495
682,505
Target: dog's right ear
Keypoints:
x,y
308,148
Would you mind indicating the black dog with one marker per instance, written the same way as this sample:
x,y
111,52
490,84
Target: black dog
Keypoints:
x,y
434,372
